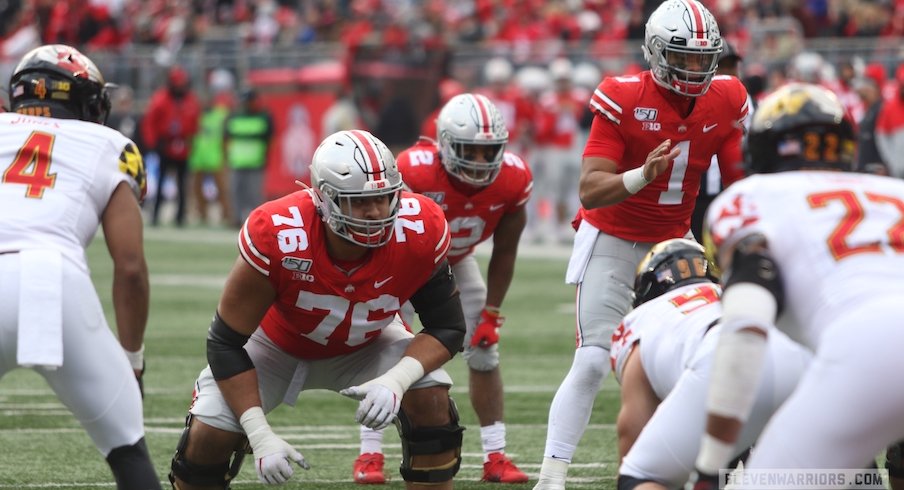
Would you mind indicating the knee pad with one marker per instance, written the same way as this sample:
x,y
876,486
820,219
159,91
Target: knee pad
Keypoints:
x,y
894,460
132,467
205,474
418,441
482,359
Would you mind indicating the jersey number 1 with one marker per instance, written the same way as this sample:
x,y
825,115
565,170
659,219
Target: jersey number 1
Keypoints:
x,y
32,165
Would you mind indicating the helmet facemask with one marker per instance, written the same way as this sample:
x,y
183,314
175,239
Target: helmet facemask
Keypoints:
x,y
361,231
474,163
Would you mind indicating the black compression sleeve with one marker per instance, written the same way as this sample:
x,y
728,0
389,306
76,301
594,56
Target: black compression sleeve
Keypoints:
x,y
225,352
438,305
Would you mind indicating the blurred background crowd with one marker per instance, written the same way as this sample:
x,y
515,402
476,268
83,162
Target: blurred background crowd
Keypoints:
x,y
194,76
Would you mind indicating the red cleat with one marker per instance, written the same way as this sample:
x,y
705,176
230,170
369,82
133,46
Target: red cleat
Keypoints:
x,y
368,469
500,469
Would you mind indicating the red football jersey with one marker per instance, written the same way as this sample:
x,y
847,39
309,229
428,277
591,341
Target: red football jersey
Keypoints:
x,y
320,311
634,116
472,217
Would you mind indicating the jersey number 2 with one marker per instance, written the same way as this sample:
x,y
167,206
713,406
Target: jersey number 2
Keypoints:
x,y
32,165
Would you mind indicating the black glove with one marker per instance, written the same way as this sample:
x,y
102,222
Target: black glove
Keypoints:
x,y
139,376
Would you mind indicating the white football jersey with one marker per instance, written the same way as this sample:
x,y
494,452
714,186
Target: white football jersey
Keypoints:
x,y
668,332
838,240
56,178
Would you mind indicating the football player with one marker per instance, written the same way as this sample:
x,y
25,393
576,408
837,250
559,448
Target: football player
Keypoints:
x,y
661,354
483,190
62,174
819,252
312,302
652,138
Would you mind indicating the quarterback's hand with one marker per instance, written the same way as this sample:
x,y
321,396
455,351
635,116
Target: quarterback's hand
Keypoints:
x,y
702,481
272,454
487,332
378,405
658,160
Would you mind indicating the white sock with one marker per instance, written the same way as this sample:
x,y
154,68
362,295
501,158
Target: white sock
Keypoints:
x,y
371,440
573,403
493,439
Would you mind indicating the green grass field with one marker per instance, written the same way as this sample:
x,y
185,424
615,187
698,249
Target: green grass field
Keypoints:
x,y
44,447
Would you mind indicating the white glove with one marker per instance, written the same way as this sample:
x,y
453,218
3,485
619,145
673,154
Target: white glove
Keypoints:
x,y
271,453
381,397
379,403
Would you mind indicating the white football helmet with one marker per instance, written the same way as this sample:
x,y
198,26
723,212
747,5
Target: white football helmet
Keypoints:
x,y
467,125
682,45
349,165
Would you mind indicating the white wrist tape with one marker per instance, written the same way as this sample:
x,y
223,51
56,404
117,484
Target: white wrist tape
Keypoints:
x,y
714,455
255,424
634,180
748,305
136,359
735,374
404,374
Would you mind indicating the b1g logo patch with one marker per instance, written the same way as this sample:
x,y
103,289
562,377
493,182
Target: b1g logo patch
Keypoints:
x,y
437,197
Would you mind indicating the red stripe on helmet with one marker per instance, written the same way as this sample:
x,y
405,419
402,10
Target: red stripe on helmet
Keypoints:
x,y
697,17
370,152
483,113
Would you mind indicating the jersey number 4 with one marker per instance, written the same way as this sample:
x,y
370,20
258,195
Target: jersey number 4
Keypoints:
x,y
32,165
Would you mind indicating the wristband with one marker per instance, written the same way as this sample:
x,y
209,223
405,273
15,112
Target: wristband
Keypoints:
x,y
136,359
714,454
634,180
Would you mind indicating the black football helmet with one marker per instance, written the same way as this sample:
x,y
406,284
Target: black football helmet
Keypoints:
x,y
56,80
800,126
668,265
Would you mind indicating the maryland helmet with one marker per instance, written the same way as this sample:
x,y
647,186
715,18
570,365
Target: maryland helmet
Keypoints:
x,y
56,80
470,128
349,165
682,44
800,126
668,265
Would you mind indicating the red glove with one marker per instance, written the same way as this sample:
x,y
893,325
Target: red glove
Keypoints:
x,y
487,332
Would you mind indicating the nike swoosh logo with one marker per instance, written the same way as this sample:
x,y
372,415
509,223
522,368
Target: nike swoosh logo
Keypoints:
x,y
496,207
707,129
379,284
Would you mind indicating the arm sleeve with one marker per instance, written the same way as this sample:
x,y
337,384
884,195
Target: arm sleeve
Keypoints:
x,y
438,305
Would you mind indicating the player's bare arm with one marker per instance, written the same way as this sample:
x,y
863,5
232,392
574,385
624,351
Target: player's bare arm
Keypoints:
x,y
246,298
751,302
639,402
501,268
601,185
123,233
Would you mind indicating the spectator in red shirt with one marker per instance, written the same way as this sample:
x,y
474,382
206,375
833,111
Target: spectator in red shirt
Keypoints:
x,y
890,129
167,129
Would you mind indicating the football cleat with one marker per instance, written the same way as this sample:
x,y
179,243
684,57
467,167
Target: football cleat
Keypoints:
x,y
368,469
500,469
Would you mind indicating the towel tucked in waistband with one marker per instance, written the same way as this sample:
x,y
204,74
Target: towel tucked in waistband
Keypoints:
x,y
40,309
